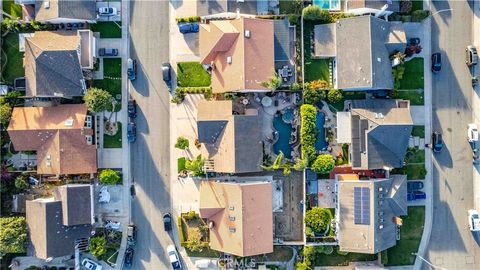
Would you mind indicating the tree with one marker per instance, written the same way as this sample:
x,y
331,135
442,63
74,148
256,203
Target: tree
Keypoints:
x,y
308,131
194,241
182,143
98,246
5,113
109,177
12,98
21,182
98,100
300,164
334,95
313,96
196,166
280,164
13,235
273,83
315,13
302,266
295,86
323,164
317,219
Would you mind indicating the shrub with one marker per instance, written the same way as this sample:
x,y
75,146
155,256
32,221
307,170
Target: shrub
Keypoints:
x,y
420,15
109,177
21,182
181,92
328,250
182,143
334,95
397,73
309,232
187,19
323,164
315,13
295,86
13,235
313,96
5,113
98,246
317,85
317,219
293,19
194,241
308,131
190,215
196,166
180,231
97,100
300,164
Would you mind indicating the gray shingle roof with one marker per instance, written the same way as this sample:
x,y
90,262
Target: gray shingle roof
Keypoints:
x,y
209,131
281,40
68,9
76,202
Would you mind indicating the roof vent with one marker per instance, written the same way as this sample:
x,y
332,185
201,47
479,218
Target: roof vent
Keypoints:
x,y
232,229
379,59
232,218
231,208
46,4
247,33
229,59
48,163
69,122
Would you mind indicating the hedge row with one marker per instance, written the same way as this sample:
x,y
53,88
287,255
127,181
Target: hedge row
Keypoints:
x,y
180,231
187,19
308,131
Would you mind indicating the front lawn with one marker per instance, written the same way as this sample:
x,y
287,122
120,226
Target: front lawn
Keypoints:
x,y
317,69
413,171
336,259
192,74
279,254
14,66
10,7
107,29
410,236
181,164
114,141
205,253
112,79
415,155
415,96
418,131
413,75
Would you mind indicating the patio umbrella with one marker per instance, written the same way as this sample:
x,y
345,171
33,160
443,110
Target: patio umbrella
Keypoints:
x,y
266,101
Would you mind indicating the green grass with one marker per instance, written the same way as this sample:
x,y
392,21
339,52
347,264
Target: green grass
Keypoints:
x,y
317,69
417,5
336,259
114,141
348,95
415,96
205,253
112,72
413,171
107,29
415,155
413,76
418,131
181,164
287,6
11,8
192,74
14,67
410,236
279,254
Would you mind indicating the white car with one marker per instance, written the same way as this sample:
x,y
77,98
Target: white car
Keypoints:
x,y
473,220
107,11
472,133
173,257
91,265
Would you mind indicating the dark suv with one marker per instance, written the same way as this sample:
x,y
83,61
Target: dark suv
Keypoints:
x,y
437,142
132,108
436,62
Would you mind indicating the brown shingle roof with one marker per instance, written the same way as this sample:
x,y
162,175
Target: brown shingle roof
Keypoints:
x,y
52,65
252,58
241,214
58,136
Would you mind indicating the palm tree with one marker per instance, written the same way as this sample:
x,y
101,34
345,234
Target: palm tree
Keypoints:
x,y
273,83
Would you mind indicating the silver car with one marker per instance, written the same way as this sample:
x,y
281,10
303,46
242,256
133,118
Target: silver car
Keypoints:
x,y
471,56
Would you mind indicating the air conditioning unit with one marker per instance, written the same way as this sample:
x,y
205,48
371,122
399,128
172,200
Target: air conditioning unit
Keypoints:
x,y
248,34
229,59
89,139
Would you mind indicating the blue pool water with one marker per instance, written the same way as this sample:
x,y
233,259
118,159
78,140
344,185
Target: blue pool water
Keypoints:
x,y
321,143
327,4
284,131
288,115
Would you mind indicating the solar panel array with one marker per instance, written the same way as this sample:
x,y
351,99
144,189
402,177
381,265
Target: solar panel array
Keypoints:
x,y
361,196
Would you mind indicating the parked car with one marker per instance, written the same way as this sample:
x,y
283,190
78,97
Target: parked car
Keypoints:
x,y
107,11
132,108
413,41
173,257
107,52
436,62
132,190
414,185
416,195
131,69
131,234
131,132
437,142
128,257
167,73
473,220
471,56
91,265
167,222
472,133
186,28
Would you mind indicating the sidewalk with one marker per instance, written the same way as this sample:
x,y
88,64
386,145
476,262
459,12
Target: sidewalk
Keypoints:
x,y
475,105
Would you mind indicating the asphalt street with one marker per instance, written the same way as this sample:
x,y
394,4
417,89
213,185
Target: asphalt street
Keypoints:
x,y
452,245
150,164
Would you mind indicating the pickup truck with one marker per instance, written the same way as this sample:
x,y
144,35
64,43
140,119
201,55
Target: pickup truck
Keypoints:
x,y
473,220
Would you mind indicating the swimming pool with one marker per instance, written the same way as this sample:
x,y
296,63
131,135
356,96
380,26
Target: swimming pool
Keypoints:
x,y
288,115
284,130
328,4
321,143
